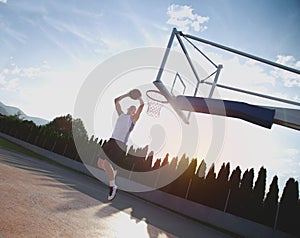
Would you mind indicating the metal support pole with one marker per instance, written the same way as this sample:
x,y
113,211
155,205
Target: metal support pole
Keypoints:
x,y
158,82
214,84
190,63
242,53
163,63
255,94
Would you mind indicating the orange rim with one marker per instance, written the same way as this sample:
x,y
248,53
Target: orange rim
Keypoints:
x,y
154,99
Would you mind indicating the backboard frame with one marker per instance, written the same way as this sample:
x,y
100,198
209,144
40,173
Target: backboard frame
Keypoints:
x,y
164,90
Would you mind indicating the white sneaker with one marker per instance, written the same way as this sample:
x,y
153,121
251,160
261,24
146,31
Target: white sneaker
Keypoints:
x,y
112,192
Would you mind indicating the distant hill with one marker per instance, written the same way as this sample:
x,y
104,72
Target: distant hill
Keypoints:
x,y
9,111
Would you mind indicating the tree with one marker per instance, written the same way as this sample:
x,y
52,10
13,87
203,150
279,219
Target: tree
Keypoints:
x,y
235,179
182,164
173,164
234,185
221,187
166,160
201,169
156,164
79,130
260,187
211,175
287,216
149,159
258,195
271,203
197,188
61,125
246,193
208,187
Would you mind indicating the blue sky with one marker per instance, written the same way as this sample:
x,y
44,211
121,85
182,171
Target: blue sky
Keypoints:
x,y
49,47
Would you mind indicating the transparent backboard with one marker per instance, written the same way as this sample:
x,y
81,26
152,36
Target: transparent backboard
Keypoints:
x,y
176,77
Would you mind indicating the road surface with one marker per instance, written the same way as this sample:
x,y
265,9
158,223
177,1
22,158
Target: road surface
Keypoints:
x,y
39,199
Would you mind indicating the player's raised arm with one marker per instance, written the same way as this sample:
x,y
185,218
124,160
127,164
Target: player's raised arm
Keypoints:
x,y
139,110
117,103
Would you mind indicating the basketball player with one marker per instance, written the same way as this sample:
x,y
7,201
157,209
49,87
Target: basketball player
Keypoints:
x,y
115,148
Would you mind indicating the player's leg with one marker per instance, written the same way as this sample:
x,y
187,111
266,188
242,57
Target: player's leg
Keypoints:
x,y
108,151
109,170
100,163
112,182
111,174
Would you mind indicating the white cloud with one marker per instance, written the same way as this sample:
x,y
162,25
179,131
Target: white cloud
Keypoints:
x,y
296,98
184,18
27,72
249,76
3,1
14,71
31,72
10,78
8,84
289,79
291,152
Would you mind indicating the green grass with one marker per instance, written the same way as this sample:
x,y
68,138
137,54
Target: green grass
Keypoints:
x,y
5,144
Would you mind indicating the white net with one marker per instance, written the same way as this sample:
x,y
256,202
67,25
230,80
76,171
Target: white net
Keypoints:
x,y
154,108
155,103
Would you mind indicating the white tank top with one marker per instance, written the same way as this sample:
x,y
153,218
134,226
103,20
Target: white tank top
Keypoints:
x,y
123,127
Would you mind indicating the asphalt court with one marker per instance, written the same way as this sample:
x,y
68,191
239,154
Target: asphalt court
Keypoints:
x,y
39,199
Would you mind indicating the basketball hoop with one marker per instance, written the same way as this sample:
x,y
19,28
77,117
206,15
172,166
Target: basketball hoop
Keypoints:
x,y
155,102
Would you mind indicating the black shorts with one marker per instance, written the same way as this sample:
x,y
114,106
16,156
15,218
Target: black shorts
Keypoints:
x,y
113,150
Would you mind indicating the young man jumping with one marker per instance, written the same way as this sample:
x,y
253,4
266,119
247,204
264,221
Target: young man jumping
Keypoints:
x,y
115,148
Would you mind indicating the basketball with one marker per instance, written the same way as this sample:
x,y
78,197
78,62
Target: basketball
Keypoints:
x,y
135,94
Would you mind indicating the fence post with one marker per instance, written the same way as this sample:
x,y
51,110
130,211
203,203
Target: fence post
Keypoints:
x,y
227,200
36,138
65,149
29,134
132,167
188,188
276,217
44,143
77,157
53,146
28,137
95,156
157,178
16,134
